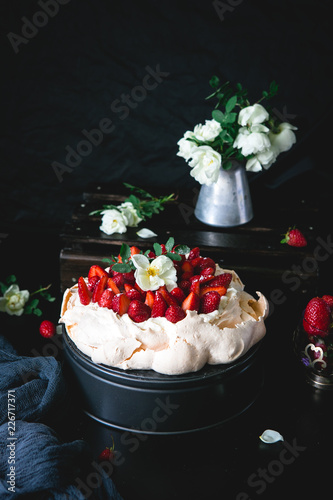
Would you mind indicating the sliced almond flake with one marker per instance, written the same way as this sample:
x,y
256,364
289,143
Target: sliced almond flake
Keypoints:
x,y
270,436
146,233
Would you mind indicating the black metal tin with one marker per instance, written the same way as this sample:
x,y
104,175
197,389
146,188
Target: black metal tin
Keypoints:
x,y
148,402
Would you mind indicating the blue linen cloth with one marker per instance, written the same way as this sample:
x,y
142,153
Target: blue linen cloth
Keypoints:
x,y
32,455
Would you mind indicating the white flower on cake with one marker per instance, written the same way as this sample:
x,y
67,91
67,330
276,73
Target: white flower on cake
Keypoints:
x,y
152,275
14,300
205,163
113,221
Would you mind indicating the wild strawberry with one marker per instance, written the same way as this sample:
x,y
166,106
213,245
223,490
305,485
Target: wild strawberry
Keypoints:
x,y
221,290
99,289
295,238
120,303
159,305
317,317
174,314
96,271
221,280
138,311
210,302
47,329
178,294
195,252
329,301
150,297
191,303
106,299
84,294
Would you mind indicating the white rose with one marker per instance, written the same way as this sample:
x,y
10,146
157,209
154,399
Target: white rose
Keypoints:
x,y
130,214
207,132
113,221
205,163
252,115
186,147
252,141
264,159
14,300
285,138
152,275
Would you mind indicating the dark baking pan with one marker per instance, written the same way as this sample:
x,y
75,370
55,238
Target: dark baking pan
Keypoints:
x,y
152,403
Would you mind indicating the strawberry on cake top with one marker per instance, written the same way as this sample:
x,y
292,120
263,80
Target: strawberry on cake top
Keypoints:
x,y
170,310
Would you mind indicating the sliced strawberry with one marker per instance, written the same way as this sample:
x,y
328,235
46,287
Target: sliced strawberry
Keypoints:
x,y
159,305
221,290
138,311
221,280
134,294
96,271
187,269
210,302
206,262
185,285
150,297
118,278
106,299
178,294
120,303
194,253
135,250
175,314
195,285
192,302
196,261
92,282
169,299
111,284
129,277
208,271
99,289
84,294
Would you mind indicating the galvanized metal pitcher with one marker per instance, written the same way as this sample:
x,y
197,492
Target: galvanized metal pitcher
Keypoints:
x,y
227,203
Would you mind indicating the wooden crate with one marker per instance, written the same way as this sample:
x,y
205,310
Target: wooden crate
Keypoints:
x,y
253,250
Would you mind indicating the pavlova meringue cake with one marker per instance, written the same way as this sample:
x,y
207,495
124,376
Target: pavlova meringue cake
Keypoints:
x,y
169,310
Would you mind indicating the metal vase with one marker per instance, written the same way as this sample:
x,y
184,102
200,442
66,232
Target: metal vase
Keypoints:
x,y
226,203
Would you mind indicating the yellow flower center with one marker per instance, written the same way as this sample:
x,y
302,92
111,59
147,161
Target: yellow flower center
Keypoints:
x,y
152,271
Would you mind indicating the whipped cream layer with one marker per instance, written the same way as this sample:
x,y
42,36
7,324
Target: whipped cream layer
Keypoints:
x,y
169,348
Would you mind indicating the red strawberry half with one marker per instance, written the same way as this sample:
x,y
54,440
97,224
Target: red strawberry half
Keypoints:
x,y
317,317
84,294
210,302
174,314
138,311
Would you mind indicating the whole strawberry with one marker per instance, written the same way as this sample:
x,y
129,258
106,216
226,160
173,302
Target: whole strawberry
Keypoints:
x,y
317,317
294,238
47,329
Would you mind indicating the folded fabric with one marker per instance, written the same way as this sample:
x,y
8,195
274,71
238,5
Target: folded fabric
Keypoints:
x,y
33,459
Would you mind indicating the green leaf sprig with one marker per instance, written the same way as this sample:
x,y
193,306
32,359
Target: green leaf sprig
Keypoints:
x,y
124,264
146,206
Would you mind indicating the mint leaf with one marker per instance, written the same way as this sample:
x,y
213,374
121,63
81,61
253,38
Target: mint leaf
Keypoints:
x,y
121,268
157,249
170,244
125,252
182,249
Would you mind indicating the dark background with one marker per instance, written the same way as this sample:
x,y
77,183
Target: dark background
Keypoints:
x,y
71,70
